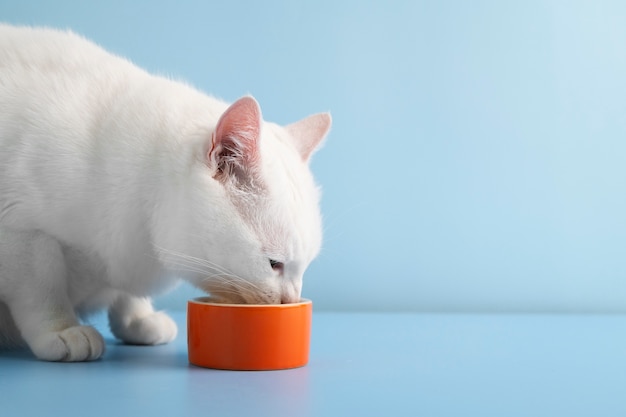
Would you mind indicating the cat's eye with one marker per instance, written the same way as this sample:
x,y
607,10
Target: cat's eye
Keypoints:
x,y
276,265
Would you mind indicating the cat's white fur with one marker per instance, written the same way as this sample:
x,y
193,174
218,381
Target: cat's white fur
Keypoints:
x,y
113,182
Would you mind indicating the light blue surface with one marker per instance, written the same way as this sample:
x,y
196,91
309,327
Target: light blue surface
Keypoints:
x,y
360,365
477,157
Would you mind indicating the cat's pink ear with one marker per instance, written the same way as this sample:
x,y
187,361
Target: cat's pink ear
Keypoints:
x,y
309,132
235,143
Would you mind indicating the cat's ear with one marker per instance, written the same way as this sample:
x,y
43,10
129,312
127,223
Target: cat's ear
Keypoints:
x,y
309,133
235,143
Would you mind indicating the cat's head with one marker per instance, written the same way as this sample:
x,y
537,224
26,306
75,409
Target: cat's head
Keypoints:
x,y
250,212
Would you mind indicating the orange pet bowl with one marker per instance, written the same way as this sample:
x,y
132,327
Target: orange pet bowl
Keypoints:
x,y
248,337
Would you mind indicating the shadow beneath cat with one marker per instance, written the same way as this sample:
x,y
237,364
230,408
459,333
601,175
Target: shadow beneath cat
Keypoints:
x,y
17,354
116,353
134,356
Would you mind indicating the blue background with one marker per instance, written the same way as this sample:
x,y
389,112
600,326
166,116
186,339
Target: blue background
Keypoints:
x,y
476,161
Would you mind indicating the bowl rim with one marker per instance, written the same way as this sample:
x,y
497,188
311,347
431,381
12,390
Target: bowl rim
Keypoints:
x,y
204,301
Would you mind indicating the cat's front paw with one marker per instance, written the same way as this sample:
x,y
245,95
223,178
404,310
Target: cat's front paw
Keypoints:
x,y
154,329
74,344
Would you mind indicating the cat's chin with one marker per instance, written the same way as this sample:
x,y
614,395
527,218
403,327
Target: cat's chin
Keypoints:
x,y
230,299
220,293
237,298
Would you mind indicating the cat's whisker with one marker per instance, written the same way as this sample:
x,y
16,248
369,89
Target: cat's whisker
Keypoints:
x,y
234,281
222,289
214,272
219,280
222,272
197,261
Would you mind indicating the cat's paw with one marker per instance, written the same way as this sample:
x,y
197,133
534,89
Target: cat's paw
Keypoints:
x,y
154,329
74,344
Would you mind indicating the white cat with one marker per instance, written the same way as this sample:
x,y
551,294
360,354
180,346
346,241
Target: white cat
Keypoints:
x,y
114,182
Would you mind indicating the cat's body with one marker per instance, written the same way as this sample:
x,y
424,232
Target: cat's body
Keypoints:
x,y
114,182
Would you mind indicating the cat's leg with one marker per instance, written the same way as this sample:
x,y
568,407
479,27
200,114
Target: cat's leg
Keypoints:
x,y
133,320
34,288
